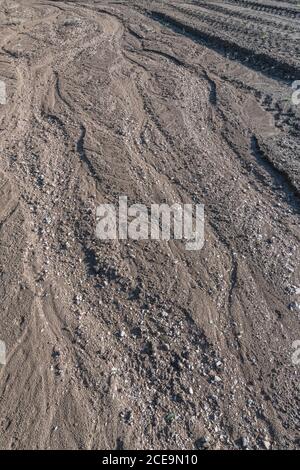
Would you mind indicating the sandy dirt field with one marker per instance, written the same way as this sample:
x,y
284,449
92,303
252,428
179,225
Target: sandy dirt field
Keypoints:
x,y
142,344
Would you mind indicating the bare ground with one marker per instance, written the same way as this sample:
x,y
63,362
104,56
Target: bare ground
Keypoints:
x,y
144,345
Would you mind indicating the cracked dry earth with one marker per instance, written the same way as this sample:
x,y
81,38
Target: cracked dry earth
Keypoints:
x,y
144,345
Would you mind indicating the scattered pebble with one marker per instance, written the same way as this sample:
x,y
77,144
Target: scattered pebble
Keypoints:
x,y
244,442
267,444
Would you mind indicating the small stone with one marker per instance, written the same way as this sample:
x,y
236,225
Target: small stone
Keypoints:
x,y
55,354
202,442
244,442
267,444
47,220
169,418
191,391
294,306
78,299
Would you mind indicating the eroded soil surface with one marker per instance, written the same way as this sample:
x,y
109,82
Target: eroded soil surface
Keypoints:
x,y
144,345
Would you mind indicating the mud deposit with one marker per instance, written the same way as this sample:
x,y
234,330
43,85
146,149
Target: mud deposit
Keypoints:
x,y
144,345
